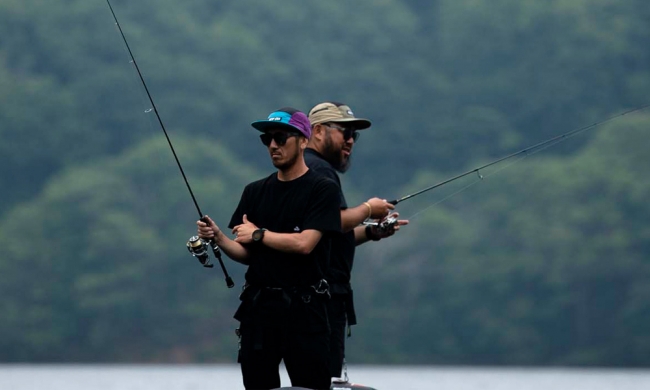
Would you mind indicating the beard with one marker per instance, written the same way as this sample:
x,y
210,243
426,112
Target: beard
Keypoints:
x,y
287,163
333,155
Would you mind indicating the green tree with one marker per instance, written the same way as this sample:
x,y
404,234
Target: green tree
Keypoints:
x,y
102,275
542,264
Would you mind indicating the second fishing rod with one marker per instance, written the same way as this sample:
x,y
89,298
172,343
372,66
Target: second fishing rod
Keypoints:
x,y
389,222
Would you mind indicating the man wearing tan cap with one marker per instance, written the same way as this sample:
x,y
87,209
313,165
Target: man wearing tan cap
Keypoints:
x,y
335,131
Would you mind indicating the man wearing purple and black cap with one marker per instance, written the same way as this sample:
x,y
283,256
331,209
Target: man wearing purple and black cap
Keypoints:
x,y
283,226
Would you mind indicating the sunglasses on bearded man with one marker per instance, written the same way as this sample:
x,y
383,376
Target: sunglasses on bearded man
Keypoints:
x,y
347,132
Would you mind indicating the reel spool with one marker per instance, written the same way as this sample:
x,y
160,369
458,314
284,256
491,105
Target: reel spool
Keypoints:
x,y
199,249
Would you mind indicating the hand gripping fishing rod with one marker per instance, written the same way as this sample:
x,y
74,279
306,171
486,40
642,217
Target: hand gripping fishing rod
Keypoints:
x,y
196,246
389,222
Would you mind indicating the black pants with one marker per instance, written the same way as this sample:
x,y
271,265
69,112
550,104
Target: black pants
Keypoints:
x,y
336,313
305,357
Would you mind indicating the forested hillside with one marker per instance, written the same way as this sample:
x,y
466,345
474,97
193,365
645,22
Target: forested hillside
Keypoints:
x,y
544,261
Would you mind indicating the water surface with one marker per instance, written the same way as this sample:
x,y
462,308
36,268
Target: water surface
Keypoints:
x,y
228,377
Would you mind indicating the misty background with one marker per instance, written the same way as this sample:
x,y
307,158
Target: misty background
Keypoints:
x,y
546,261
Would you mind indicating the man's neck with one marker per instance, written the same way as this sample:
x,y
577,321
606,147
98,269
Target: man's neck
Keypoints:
x,y
314,148
295,171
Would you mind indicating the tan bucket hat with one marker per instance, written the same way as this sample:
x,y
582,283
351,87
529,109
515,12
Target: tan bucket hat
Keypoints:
x,y
336,112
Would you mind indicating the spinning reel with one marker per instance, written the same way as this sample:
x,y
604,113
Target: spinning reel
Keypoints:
x,y
385,225
199,249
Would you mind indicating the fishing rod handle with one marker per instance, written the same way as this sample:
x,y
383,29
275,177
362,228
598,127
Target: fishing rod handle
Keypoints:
x,y
217,254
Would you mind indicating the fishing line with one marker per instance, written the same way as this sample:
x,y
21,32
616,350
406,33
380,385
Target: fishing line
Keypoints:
x,y
482,176
144,118
527,152
480,179
155,109
149,209
195,245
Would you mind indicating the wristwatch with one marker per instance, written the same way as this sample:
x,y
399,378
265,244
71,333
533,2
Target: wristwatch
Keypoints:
x,y
258,235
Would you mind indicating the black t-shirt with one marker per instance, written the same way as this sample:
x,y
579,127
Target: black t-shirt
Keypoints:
x,y
342,254
308,202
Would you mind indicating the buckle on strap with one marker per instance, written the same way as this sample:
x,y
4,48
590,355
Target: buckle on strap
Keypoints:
x,y
322,288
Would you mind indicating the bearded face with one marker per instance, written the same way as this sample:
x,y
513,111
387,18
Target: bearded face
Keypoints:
x,y
336,150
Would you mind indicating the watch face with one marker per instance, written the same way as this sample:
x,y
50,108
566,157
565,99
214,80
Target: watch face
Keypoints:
x,y
257,234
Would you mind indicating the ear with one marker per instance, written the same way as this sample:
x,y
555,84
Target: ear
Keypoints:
x,y
317,131
303,142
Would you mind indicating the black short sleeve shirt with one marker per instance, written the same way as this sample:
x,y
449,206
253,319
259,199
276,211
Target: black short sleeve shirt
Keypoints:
x,y
343,246
308,202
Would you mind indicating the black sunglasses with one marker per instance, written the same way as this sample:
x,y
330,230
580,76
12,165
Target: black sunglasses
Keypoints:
x,y
280,138
347,132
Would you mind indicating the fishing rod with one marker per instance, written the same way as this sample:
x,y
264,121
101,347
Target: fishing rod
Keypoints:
x,y
195,245
390,221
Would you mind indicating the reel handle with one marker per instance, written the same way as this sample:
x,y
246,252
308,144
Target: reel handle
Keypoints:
x,y
383,225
